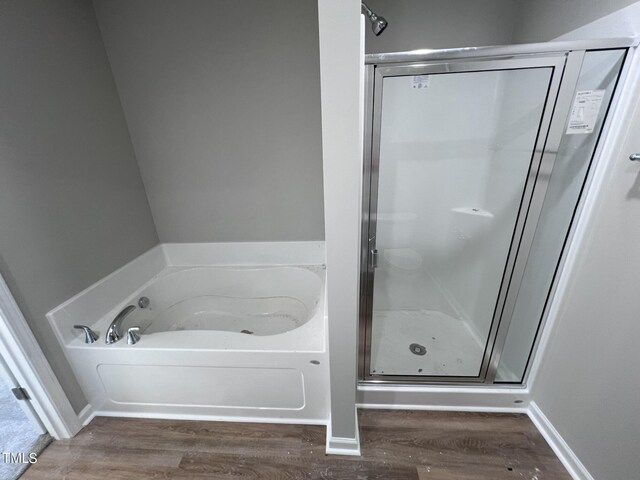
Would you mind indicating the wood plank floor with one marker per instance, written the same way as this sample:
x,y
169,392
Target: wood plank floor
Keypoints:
x,y
396,445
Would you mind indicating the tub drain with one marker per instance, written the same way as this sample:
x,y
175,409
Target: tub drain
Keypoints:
x,y
417,349
248,332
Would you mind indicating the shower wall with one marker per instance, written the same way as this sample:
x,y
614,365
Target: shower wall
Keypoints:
x,y
222,100
433,174
72,204
416,194
519,109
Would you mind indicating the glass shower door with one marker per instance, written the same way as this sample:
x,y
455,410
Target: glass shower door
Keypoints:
x,y
456,152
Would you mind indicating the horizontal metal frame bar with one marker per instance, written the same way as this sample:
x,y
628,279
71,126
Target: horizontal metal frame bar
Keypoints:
x,y
498,50
470,66
448,382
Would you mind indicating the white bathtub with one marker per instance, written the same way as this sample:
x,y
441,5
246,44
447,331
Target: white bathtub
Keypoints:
x,y
239,342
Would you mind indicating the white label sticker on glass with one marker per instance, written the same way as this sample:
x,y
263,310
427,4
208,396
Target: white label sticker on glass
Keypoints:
x,y
584,112
420,81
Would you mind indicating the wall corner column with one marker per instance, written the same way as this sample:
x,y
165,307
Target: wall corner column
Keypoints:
x,y
341,80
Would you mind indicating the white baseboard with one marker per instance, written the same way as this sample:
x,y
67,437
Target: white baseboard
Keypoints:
x,y
444,408
86,415
343,445
571,462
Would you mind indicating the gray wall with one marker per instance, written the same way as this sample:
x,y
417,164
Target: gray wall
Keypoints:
x,y
544,20
415,24
72,203
588,385
222,100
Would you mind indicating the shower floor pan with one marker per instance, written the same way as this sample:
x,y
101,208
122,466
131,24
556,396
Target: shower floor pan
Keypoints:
x,y
452,348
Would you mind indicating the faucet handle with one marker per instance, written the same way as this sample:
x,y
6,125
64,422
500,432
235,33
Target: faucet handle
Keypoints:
x,y
133,336
89,335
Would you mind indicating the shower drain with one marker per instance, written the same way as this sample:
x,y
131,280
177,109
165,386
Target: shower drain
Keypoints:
x,y
417,349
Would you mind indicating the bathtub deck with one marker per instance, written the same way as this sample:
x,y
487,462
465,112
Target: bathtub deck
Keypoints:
x,y
396,445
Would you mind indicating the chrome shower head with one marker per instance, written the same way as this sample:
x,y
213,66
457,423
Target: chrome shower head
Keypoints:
x,y
378,24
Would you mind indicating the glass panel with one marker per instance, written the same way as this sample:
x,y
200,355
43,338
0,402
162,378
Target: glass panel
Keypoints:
x,y
599,73
455,151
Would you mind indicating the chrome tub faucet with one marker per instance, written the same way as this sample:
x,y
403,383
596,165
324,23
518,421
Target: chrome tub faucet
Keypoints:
x,y
114,333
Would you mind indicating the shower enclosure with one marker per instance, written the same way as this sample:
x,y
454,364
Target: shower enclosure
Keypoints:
x,y
475,161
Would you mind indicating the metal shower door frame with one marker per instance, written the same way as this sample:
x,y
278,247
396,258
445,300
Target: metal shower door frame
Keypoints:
x,y
565,72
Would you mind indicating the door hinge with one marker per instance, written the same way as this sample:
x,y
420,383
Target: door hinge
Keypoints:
x,y
374,258
20,393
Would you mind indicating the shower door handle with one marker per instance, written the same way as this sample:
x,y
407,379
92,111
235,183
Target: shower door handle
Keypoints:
x,y
373,258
